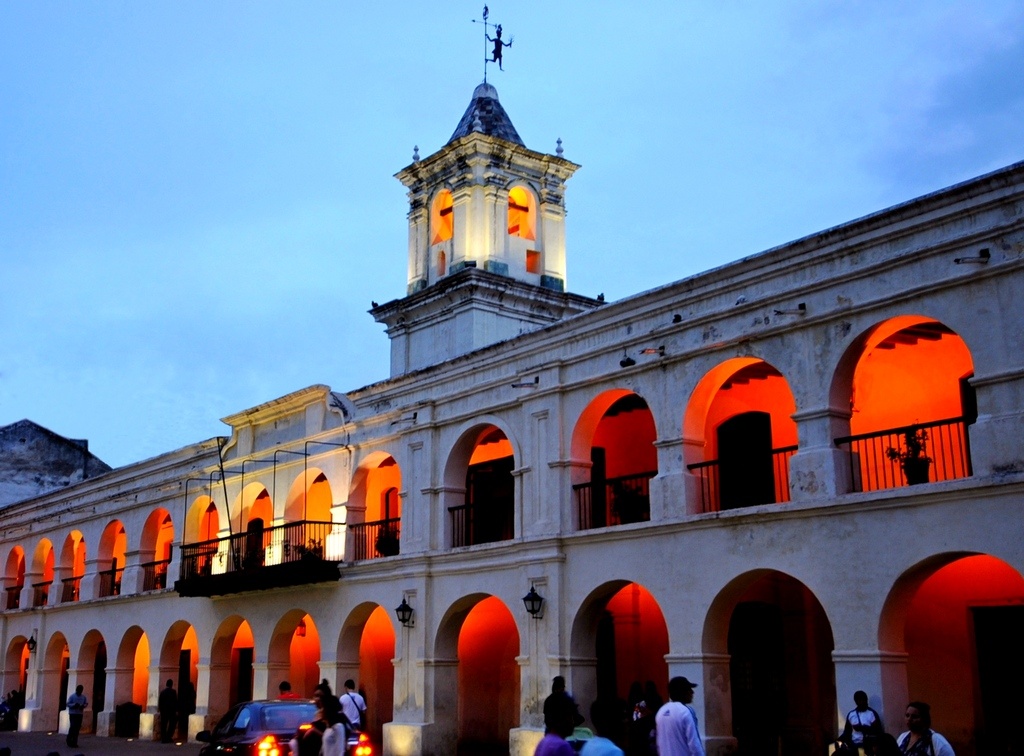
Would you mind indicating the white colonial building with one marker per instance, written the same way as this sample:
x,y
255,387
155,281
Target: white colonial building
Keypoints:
x,y
789,478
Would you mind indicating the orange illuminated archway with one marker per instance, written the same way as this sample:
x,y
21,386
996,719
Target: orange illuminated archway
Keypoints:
x,y
481,489
907,385
72,566
739,435
522,213
42,573
614,460
231,663
374,508
54,658
91,668
294,652
112,549
16,659
366,647
958,616
14,578
482,634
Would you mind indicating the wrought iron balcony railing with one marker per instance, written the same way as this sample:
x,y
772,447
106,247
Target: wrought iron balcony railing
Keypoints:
x,y
920,453
70,589
110,582
14,596
615,501
154,575
41,593
380,538
710,482
473,524
295,553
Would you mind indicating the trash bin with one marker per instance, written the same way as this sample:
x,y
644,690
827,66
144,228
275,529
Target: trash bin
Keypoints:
x,y
126,720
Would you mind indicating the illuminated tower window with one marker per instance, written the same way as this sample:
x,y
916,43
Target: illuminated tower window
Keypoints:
x,y
442,218
532,261
521,213
442,264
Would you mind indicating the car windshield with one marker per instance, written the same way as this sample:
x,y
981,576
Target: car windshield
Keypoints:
x,y
286,717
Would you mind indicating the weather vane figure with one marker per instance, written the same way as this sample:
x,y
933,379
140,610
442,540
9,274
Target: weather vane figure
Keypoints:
x,y
494,56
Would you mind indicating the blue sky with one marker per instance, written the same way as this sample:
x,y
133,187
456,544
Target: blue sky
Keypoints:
x,y
197,201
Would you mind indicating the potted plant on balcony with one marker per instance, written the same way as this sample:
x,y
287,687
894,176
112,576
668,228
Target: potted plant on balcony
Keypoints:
x,y
387,542
912,457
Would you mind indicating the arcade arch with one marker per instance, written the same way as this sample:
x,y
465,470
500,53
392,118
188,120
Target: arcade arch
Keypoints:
x,y
309,498
113,545
480,488
155,549
294,653
72,566
53,680
91,674
739,435
620,626
779,695
477,645
14,577
374,508
959,617
906,383
42,573
16,662
615,458
366,648
231,665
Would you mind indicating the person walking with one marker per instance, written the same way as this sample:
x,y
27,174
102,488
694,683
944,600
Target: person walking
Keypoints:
x,y
676,722
76,710
353,706
167,705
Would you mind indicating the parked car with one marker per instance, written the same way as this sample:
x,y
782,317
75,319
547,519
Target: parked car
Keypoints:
x,y
263,728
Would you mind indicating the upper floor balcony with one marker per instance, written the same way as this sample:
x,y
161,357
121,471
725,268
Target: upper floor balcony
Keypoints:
x,y
295,553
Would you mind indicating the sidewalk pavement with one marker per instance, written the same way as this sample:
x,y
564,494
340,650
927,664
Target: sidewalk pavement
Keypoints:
x,y
41,744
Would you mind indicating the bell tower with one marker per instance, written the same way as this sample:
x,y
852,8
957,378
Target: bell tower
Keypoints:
x,y
486,242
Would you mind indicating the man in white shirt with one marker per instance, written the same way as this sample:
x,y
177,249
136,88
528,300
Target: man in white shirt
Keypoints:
x,y
352,705
676,722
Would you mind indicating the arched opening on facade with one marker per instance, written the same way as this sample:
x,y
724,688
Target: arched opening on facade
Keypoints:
x,y
113,545
53,680
442,217
42,573
179,661
374,508
202,531
481,634
255,518
14,578
739,434
522,213
131,676
308,519
365,650
15,678
231,665
959,618
294,653
614,460
91,674
72,567
907,385
779,693
621,628
155,551
481,464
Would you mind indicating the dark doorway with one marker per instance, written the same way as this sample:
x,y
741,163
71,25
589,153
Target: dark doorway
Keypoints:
x,y
607,679
490,496
99,682
243,671
745,470
758,678
65,663
998,631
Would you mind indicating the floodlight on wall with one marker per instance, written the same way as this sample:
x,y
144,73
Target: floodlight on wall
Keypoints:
x,y
31,643
800,309
528,384
404,613
534,603
983,257
660,351
300,630
626,360
409,418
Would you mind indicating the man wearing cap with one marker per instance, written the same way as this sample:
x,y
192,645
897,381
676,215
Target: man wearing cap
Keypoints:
x,y
676,722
